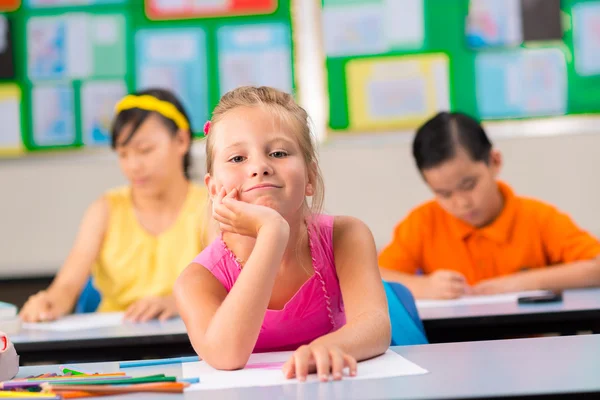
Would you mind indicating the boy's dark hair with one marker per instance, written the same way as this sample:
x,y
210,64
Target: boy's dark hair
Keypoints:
x,y
137,116
438,139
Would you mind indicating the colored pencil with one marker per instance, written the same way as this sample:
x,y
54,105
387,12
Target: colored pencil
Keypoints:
x,y
37,382
91,376
163,387
129,381
72,372
27,395
189,380
163,361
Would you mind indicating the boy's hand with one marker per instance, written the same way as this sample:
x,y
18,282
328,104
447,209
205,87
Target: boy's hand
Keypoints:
x,y
503,284
445,284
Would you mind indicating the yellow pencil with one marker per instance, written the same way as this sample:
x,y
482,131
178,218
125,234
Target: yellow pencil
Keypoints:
x,y
26,395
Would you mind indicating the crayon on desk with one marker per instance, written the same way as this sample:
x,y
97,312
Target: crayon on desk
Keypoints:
x,y
128,381
27,395
19,384
165,387
164,361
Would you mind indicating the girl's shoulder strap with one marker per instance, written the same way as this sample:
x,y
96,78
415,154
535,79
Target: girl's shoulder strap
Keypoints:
x,y
321,241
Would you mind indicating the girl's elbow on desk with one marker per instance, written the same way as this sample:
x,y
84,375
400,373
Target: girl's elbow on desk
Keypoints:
x,y
223,359
385,332
382,332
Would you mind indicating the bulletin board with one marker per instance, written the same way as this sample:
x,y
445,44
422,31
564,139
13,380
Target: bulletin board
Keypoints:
x,y
393,64
70,61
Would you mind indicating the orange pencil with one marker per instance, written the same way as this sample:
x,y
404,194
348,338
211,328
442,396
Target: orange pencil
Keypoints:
x,y
161,387
80,395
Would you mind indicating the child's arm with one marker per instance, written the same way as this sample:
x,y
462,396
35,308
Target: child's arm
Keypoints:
x,y
223,328
441,284
60,297
367,332
574,275
574,260
150,307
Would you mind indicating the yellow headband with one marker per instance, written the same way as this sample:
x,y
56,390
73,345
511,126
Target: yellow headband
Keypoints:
x,y
151,103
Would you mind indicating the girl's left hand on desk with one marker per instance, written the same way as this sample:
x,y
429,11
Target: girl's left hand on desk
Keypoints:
x,y
327,361
151,307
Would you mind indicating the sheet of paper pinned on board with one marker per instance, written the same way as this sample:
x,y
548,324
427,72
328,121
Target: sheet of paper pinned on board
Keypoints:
x,y
265,370
363,27
79,322
473,300
10,115
586,43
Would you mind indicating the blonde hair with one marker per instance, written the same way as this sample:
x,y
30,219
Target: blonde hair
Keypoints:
x,y
286,110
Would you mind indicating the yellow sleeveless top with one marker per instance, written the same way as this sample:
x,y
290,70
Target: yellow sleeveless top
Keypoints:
x,y
133,263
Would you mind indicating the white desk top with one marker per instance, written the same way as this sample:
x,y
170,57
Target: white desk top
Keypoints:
x,y
573,301
541,366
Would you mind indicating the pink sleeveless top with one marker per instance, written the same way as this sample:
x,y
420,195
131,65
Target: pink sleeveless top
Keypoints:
x,y
317,307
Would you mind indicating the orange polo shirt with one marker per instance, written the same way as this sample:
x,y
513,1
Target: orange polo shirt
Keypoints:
x,y
527,234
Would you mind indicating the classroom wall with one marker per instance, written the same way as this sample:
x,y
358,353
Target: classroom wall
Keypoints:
x,y
44,198
370,176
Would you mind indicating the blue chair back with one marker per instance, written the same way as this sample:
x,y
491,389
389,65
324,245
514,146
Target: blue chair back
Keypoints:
x,y
89,299
407,327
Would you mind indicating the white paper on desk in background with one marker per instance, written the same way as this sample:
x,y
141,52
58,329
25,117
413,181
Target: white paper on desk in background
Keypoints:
x,y
390,364
472,300
78,322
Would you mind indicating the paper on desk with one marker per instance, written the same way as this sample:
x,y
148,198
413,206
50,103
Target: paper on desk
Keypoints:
x,y
77,322
265,370
472,300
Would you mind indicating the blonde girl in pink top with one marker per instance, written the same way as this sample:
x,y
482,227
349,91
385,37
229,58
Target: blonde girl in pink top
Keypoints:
x,y
282,276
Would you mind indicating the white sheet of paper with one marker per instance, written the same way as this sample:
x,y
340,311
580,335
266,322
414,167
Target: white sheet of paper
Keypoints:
x,y
77,322
404,23
98,99
472,300
255,55
265,370
53,114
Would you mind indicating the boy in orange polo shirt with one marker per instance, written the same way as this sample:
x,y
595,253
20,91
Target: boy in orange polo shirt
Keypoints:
x,y
477,236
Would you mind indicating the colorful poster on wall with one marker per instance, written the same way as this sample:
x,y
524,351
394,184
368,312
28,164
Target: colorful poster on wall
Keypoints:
x,y
362,27
10,115
53,115
175,59
9,5
586,38
67,3
7,66
494,23
396,92
76,45
191,9
98,100
258,55
521,83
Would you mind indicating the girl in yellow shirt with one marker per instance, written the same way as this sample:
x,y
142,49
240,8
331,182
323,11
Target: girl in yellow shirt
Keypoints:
x,y
135,240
